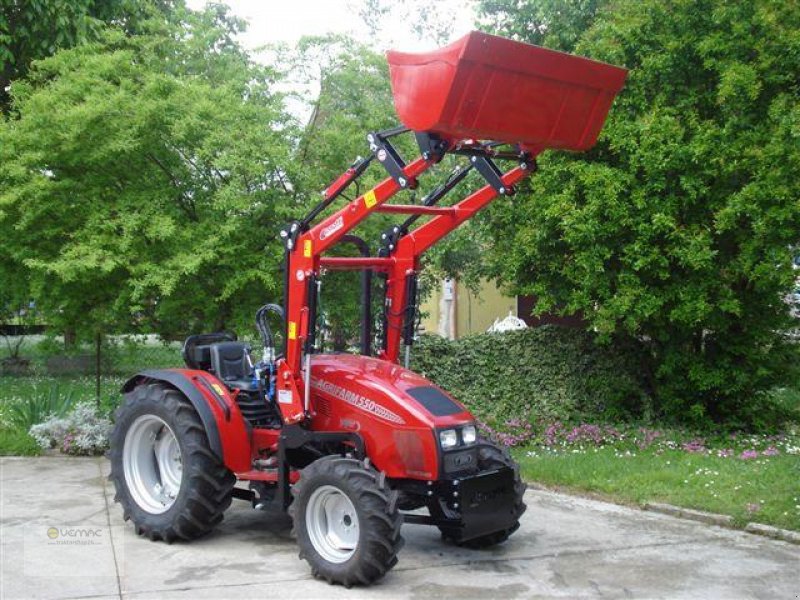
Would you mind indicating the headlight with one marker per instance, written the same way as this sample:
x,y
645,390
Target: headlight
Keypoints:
x,y
468,434
448,438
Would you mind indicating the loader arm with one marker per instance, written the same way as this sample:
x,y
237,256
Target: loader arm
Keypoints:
x,y
471,99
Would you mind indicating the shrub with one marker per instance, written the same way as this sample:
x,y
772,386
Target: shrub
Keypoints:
x,y
82,432
25,413
542,374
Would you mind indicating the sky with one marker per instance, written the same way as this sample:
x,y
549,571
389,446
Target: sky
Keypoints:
x,y
274,21
289,20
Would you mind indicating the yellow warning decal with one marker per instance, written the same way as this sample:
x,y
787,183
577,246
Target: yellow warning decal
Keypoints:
x,y
307,248
292,330
218,389
370,199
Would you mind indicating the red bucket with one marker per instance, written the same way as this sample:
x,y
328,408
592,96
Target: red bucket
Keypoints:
x,y
486,87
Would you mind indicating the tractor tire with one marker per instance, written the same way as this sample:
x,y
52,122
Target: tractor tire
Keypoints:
x,y
167,479
346,520
491,456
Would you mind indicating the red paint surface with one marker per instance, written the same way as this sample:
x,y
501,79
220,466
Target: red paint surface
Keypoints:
x,y
491,88
233,433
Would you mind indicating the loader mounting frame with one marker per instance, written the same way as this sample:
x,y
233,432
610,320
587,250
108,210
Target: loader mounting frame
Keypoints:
x,y
399,259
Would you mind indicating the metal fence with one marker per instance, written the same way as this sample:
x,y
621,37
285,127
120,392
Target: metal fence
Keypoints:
x,y
95,368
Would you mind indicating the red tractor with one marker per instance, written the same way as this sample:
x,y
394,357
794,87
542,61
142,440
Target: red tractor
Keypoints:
x,y
350,444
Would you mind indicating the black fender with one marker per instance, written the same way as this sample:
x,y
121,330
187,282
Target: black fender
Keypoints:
x,y
183,381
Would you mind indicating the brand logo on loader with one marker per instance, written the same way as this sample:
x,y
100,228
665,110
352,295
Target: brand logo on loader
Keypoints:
x,y
332,228
356,400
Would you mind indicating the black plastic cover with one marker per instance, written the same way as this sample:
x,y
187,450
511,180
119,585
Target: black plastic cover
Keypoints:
x,y
434,400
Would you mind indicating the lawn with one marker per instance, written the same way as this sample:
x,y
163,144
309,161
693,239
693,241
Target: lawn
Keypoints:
x,y
754,478
120,355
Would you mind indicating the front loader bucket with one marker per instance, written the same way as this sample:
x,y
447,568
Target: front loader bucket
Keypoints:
x,y
486,87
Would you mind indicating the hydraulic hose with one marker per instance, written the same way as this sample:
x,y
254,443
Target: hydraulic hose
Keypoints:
x,y
267,339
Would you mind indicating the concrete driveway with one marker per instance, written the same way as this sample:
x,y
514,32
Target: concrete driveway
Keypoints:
x,y
63,537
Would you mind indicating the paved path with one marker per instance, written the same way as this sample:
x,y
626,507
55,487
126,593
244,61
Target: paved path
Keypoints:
x,y
567,548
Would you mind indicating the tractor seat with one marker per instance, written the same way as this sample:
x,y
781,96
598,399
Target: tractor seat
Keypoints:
x,y
230,361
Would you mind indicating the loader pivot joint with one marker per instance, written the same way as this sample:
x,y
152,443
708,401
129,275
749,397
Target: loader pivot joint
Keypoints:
x,y
528,163
289,234
491,173
389,157
390,237
431,146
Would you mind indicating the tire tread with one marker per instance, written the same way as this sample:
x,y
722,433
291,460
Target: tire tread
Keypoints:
x,y
380,526
208,482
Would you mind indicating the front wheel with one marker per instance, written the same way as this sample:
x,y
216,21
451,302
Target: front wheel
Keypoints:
x,y
346,520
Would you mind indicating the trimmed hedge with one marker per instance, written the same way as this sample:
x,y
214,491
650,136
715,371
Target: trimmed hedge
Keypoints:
x,y
540,374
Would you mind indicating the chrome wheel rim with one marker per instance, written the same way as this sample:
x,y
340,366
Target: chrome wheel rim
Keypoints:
x,y
153,465
332,524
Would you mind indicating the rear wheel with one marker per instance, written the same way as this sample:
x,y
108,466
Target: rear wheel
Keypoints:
x,y
167,479
492,456
346,520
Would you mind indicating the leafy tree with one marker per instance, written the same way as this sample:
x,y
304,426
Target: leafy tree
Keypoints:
x,y
353,98
557,24
677,227
143,179
430,21
34,29
16,309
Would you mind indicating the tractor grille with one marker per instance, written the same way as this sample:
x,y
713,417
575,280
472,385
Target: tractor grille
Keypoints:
x,y
323,406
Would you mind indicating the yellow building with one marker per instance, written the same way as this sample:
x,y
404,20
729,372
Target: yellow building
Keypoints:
x,y
453,311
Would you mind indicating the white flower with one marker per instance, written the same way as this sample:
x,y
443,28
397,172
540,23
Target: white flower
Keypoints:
x,y
83,431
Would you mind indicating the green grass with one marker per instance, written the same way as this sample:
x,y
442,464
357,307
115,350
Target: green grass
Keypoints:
x,y
17,442
34,392
122,360
788,398
13,388
764,490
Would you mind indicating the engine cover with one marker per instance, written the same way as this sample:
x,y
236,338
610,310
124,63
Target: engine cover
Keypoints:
x,y
396,411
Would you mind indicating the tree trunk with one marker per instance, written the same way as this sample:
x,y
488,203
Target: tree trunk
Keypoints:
x,y
221,320
339,340
70,338
98,344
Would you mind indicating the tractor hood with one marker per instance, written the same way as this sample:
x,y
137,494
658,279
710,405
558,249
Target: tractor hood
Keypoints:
x,y
396,411
384,390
